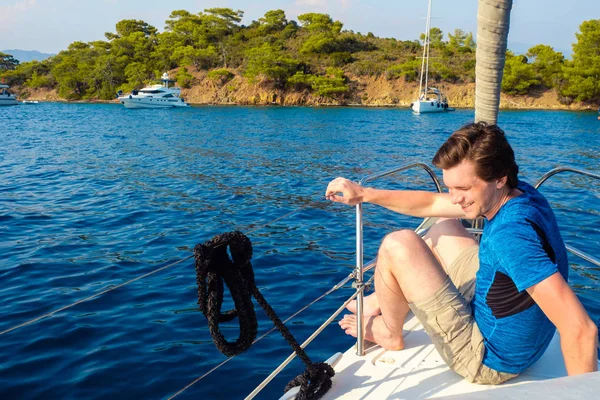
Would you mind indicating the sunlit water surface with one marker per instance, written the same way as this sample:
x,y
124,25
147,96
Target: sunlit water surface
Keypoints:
x,y
92,196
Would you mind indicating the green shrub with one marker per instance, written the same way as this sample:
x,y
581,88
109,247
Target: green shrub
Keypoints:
x,y
270,62
519,76
184,78
300,80
333,84
220,76
440,71
409,70
394,72
37,81
14,77
340,58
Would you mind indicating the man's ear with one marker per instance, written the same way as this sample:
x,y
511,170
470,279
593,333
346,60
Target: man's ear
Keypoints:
x,y
501,182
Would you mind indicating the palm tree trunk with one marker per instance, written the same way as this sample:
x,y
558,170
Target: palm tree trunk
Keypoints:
x,y
493,22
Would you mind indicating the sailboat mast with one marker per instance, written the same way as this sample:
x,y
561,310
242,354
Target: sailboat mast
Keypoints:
x,y
425,58
427,38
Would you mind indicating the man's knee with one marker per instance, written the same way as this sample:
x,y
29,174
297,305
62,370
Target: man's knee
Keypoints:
x,y
400,243
443,226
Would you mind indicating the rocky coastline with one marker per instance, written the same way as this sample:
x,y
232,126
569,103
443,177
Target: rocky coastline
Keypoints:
x,y
364,92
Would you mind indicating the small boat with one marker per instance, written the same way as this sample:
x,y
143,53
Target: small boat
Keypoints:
x,y
6,97
429,99
155,96
30,102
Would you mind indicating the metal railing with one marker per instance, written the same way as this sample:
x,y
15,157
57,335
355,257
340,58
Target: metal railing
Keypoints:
x,y
559,170
265,382
571,249
360,329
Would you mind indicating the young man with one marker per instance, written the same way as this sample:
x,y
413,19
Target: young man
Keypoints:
x,y
490,308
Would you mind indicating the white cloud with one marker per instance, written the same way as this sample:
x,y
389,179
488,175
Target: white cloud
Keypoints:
x,y
10,13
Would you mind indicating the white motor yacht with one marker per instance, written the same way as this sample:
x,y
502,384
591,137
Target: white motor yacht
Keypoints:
x,y
7,98
155,96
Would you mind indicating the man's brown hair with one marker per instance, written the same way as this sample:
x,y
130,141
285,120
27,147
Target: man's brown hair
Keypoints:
x,y
484,145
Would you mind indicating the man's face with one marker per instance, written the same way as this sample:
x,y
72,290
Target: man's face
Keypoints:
x,y
476,196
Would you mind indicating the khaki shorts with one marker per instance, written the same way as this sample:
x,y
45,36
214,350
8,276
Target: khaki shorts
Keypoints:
x,y
448,319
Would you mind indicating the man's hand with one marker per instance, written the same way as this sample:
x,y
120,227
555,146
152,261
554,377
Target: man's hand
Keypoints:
x,y
415,203
342,190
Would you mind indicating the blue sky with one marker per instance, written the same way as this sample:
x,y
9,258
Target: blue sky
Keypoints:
x,y
51,25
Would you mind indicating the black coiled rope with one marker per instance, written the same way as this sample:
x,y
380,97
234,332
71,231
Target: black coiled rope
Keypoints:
x,y
213,269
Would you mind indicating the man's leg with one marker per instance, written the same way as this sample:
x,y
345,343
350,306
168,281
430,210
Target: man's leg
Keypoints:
x,y
447,239
406,271
370,306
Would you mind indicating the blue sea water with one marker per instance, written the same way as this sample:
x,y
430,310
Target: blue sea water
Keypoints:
x,y
92,196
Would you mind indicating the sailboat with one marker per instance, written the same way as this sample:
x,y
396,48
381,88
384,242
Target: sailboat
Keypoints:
x,y
429,99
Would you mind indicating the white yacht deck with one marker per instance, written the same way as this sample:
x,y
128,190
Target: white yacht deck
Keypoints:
x,y
418,371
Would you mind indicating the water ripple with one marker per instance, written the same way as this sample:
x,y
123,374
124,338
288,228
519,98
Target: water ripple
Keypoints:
x,y
94,195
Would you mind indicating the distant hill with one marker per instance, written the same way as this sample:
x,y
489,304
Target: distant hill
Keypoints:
x,y
27,55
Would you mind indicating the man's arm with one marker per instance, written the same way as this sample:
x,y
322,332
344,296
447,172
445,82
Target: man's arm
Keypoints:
x,y
578,333
408,202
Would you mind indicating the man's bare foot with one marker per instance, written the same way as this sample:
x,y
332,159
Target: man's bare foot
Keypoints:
x,y
370,306
375,331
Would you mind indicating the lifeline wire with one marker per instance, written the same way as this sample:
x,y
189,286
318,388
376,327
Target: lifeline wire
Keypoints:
x,y
334,288
140,277
368,267
93,296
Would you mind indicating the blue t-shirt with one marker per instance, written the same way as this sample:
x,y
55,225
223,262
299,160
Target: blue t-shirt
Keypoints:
x,y
520,247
